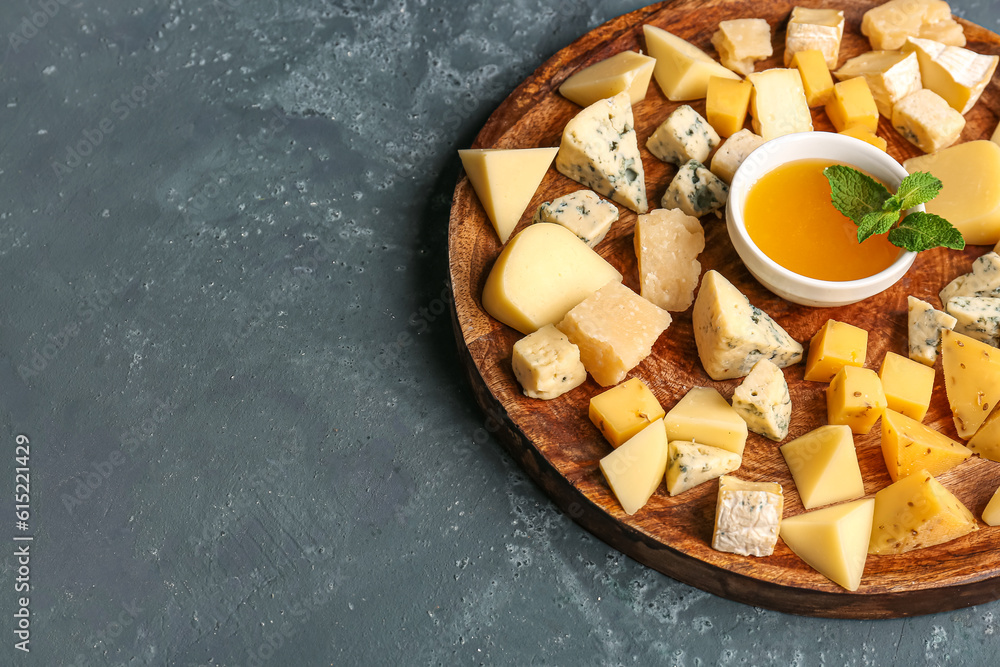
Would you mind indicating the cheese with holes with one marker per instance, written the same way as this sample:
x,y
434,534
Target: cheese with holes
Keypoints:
x,y
983,280
634,470
624,410
747,516
890,75
733,152
907,385
762,400
835,345
625,72
909,446
855,398
925,120
667,244
888,25
599,149
682,69
924,326
778,103
971,380
986,441
991,514
690,464
683,136
816,79
546,364
956,74
581,212
742,42
814,29
977,317
726,105
833,540
824,466
704,416
695,190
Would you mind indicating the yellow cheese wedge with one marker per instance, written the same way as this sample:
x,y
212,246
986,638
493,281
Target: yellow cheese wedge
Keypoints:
x,y
624,410
907,384
778,103
888,25
909,446
682,69
971,379
835,345
704,416
824,466
726,104
917,512
891,76
505,180
834,540
991,515
816,79
546,364
855,398
970,196
852,104
627,72
549,255
863,134
690,464
634,470
956,74
986,441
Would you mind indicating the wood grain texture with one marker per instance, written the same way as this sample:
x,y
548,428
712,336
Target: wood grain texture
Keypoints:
x,y
558,446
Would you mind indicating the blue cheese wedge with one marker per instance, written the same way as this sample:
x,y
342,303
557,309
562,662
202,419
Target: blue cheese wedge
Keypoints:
x,y
599,149
547,364
925,325
690,464
732,335
983,280
685,135
695,190
763,401
747,517
977,317
581,212
733,152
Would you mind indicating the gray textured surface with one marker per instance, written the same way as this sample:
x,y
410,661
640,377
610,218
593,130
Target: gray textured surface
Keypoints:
x,y
224,330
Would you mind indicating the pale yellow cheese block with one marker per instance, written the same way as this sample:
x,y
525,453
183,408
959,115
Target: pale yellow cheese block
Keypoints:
x,y
888,25
991,514
505,180
986,441
634,470
855,398
704,416
778,103
627,72
907,385
682,69
624,410
833,540
971,379
909,446
956,74
541,274
824,466
667,244
970,196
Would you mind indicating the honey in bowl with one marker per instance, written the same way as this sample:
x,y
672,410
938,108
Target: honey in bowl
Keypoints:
x,y
789,216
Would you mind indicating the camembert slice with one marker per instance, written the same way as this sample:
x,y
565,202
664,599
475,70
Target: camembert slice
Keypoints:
x,y
747,517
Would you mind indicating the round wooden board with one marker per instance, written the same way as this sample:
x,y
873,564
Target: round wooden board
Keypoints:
x,y
558,446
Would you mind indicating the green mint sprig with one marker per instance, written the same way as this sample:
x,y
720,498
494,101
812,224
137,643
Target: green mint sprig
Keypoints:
x,y
877,211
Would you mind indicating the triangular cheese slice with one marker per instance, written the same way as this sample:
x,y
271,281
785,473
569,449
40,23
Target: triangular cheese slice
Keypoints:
x,y
824,465
986,441
627,72
909,446
505,180
833,540
689,464
635,469
971,379
703,415
682,69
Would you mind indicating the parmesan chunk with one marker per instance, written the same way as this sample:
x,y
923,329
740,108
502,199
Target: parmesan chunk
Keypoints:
x,y
667,244
888,25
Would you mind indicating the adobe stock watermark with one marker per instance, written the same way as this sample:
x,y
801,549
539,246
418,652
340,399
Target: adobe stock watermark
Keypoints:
x,y
33,22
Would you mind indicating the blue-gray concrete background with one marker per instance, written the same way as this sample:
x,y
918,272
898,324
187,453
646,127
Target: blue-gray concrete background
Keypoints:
x,y
224,332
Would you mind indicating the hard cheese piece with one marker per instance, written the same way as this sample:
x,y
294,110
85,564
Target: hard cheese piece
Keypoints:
x,y
824,466
909,446
733,152
852,105
546,364
695,190
956,74
970,196
925,120
815,29
986,441
742,42
762,400
971,379
615,329
505,180
855,398
726,105
835,345
991,515
599,149
816,79
624,410
977,317
634,470
683,136
704,416
891,76
983,280
924,325
732,335
907,384
778,103
917,512
581,212
625,72
747,517
888,25
682,69
690,464
543,255
667,244
863,134
833,540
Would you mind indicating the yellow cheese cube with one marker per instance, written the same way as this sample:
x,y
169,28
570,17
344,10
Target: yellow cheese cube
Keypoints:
x,y
891,76
778,103
816,79
925,120
742,42
971,379
956,74
747,517
634,470
986,441
682,69
615,329
855,398
863,134
624,410
909,446
726,104
824,466
889,24
991,515
546,364
704,416
853,104
627,72
907,384
917,512
833,540
835,345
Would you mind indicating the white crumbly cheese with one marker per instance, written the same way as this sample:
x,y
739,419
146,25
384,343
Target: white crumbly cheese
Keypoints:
x,y
733,152
695,190
667,244
547,364
581,212
599,149
690,464
926,120
747,517
763,401
983,280
732,335
742,42
976,317
815,29
925,325
683,136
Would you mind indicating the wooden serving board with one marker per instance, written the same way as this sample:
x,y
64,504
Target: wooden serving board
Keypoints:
x,y
558,446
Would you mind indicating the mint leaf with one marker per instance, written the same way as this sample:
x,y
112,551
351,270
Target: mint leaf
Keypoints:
x,y
853,193
876,222
917,188
923,231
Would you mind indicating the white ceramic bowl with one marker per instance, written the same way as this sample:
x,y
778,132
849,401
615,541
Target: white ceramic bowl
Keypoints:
x,y
802,146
